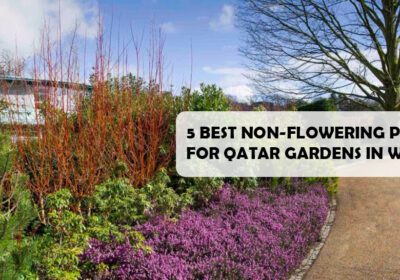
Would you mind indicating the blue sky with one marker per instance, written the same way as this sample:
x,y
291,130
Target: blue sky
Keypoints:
x,y
207,25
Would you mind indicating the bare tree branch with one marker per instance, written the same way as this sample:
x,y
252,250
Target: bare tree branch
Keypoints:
x,y
349,48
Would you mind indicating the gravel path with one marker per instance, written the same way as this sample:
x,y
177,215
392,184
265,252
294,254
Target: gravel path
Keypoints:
x,y
364,242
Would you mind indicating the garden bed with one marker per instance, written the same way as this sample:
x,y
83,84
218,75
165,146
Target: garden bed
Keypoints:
x,y
257,235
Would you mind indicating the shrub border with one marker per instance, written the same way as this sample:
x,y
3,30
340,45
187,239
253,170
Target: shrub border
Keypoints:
x,y
312,255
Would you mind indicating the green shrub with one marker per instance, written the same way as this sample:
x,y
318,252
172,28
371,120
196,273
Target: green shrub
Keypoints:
x,y
330,183
64,240
208,98
243,183
194,191
197,191
120,203
319,105
163,199
259,108
295,185
67,232
285,184
17,212
112,210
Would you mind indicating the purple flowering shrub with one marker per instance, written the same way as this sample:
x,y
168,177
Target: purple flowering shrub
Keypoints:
x,y
260,235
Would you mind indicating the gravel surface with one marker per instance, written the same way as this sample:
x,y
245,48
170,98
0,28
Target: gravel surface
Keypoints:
x,y
364,242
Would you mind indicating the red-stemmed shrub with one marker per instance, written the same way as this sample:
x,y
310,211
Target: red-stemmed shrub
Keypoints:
x,y
83,135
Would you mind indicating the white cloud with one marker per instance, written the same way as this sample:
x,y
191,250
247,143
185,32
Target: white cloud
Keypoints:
x,y
23,20
225,21
169,27
233,81
225,70
242,93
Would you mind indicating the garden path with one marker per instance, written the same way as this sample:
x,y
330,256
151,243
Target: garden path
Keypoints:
x,y
364,242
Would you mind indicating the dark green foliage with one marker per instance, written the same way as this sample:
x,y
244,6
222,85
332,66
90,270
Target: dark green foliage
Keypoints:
x,y
282,184
243,183
319,105
290,185
17,212
16,248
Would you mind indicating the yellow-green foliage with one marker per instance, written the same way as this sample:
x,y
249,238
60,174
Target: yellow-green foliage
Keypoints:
x,y
330,183
114,208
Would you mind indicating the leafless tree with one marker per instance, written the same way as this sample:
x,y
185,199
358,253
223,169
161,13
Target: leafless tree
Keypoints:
x,y
349,48
11,65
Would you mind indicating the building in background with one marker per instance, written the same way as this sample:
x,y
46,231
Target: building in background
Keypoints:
x,y
24,96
